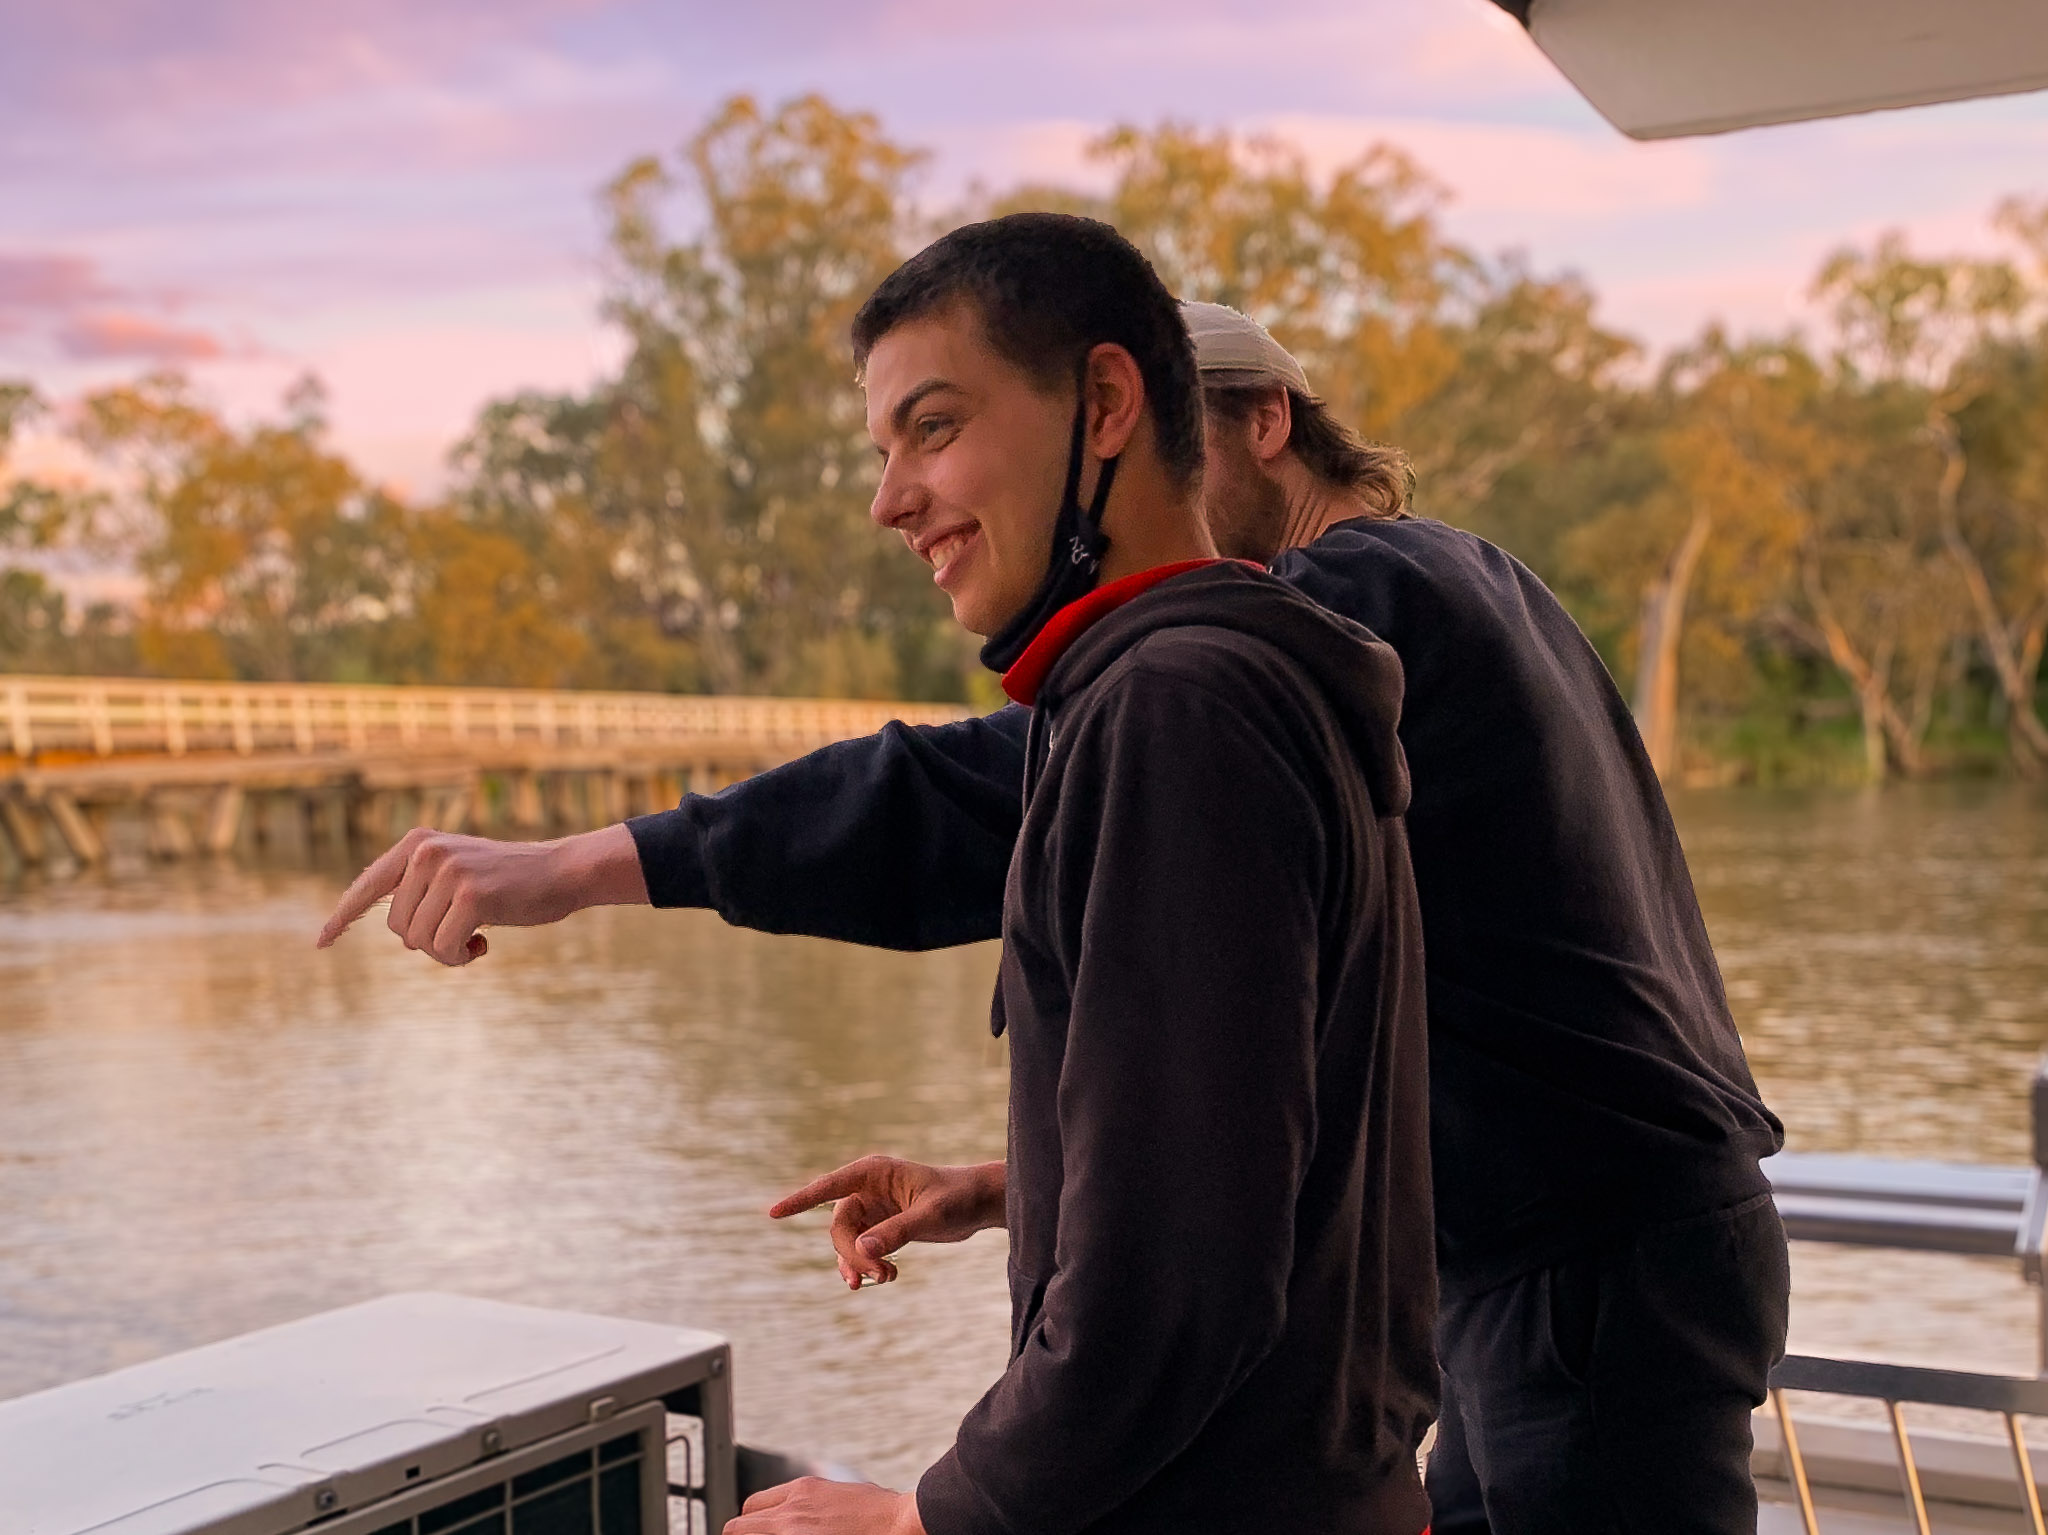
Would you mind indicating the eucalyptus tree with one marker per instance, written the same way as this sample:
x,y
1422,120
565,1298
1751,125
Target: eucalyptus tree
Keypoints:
x,y
1952,333
264,554
733,456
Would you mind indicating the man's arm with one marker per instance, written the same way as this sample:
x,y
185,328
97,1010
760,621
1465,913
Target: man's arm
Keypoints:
x,y
900,839
1186,1107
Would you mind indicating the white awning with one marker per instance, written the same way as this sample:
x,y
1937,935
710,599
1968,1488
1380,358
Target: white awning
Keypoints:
x,y
1665,68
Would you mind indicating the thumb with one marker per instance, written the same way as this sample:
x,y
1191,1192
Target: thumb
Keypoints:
x,y
884,1237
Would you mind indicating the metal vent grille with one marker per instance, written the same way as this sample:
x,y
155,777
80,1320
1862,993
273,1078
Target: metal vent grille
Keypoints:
x,y
592,1492
614,1478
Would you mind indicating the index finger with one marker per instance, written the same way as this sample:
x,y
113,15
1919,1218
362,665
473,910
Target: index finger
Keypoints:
x,y
836,1184
370,887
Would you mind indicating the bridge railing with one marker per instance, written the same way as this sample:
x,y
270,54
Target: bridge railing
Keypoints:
x,y
106,717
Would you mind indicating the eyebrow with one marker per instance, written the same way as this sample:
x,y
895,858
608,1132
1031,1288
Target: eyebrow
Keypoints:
x,y
900,416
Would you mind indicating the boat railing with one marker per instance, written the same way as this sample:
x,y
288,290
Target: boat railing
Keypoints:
x,y
1969,1481
1922,1206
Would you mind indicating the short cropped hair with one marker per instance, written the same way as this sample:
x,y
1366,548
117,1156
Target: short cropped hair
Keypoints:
x,y
1049,287
1376,473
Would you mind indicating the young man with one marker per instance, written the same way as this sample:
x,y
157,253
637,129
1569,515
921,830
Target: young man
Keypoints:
x,y
1217,1183
1614,1276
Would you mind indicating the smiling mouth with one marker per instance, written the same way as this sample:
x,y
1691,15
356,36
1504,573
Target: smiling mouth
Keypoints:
x,y
941,552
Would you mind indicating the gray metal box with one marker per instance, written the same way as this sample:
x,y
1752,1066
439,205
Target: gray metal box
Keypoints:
x,y
409,1415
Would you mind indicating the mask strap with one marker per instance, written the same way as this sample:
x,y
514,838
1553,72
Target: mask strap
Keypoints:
x,y
1078,544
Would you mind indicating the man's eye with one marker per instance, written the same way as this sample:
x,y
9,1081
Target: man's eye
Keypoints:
x,y
931,428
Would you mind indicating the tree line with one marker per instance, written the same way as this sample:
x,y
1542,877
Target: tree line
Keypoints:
x,y
1806,556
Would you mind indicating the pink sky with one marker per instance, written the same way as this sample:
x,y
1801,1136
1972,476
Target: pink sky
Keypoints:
x,y
399,194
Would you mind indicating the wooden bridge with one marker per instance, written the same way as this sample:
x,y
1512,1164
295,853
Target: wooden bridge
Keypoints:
x,y
193,767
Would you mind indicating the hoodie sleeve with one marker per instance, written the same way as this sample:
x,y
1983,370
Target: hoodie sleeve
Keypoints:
x,y
900,839
1186,891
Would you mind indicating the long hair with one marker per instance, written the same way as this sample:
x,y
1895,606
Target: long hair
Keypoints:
x,y
1378,474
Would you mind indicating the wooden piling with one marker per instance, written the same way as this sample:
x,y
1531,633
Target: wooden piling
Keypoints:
x,y
528,811
372,818
23,831
169,835
564,813
224,820
81,838
327,817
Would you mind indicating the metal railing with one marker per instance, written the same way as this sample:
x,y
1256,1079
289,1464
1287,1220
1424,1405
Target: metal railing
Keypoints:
x,y
1896,1385
1926,1206
104,716
1923,1207
1943,1207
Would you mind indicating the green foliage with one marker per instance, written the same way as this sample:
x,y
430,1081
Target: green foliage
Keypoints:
x,y
731,456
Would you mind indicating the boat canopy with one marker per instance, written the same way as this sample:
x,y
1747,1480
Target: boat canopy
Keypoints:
x,y
1667,68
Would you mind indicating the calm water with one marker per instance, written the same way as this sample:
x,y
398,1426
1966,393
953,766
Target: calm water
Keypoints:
x,y
205,1126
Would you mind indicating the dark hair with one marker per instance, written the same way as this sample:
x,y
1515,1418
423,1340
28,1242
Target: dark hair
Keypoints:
x,y
1048,287
1377,474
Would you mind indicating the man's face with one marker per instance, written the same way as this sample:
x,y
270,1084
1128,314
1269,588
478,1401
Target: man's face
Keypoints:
x,y
1244,506
974,456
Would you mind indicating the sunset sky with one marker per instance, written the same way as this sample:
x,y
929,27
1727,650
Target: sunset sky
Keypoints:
x,y
399,194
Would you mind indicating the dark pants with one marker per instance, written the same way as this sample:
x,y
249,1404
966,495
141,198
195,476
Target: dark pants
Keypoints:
x,y
1611,1395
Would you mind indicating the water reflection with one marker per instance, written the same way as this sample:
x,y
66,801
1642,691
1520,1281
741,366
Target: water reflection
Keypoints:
x,y
1887,959
205,1126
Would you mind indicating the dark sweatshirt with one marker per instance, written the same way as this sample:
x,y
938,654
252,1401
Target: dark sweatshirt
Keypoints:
x,y
1586,1078
1221,1267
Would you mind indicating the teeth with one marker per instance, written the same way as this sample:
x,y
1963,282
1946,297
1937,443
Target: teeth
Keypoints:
x,y
942,552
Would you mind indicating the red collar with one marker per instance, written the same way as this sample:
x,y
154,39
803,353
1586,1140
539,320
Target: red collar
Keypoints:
x,y
1023,680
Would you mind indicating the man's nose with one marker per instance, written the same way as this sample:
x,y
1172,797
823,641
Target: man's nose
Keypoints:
x,y
897,498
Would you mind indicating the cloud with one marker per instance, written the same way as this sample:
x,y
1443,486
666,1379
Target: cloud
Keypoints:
x,y
145,57
32,283
61,299
107,336
1501,168
1498,172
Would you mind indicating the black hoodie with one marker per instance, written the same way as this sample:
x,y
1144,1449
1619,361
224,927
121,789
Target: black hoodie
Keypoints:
x,y
1587,1077
1222,1271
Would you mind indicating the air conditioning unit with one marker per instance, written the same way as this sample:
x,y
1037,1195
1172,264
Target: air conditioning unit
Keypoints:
x,y
410,1415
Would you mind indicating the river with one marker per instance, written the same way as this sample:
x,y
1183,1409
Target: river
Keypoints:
x,y
206,1126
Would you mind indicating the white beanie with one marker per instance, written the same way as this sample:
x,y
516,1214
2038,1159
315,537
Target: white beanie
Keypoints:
x,y
1235,349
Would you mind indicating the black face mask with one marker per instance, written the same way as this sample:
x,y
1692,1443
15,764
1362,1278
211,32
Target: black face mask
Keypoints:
x,y
1078,544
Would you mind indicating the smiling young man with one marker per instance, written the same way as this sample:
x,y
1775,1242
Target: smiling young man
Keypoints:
x,y
1217,1184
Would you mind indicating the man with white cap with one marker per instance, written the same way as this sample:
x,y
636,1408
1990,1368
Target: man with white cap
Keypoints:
x,y
1281,470
1613,1273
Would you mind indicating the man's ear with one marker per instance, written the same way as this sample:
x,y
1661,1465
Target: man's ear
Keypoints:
x,y
1272,422
1115,394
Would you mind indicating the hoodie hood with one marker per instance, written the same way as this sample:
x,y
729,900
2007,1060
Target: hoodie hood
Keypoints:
x,y
1357,673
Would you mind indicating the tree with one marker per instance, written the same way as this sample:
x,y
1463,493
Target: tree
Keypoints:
x,y
1512,443
1477,369
732,456
1880,600
34,516
1945,330
1352,275
1735,453
265,555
